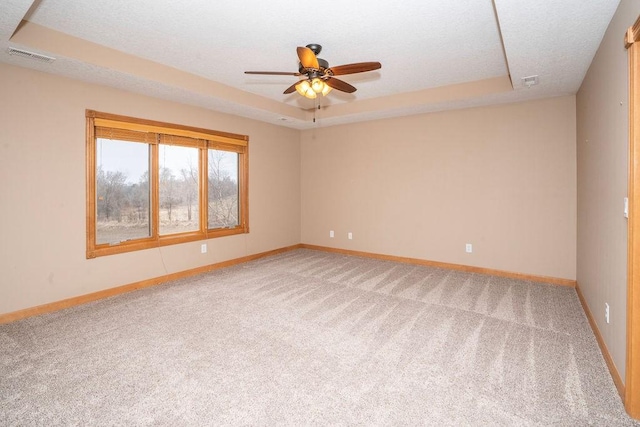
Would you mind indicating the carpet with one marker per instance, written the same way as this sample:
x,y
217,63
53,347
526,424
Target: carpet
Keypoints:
x,y
313,338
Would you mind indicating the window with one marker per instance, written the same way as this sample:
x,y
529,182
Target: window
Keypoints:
x,y
223,189
151,184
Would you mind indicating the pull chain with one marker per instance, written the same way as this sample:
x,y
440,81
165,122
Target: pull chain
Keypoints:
x,y
315,104
316,107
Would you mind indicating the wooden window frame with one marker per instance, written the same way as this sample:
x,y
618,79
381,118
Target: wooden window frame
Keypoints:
x,y
203,139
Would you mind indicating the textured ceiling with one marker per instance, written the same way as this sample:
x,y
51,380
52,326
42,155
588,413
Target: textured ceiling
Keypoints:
x,y
434,55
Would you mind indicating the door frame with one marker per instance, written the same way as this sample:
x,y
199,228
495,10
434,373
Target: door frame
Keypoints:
x,y
632,377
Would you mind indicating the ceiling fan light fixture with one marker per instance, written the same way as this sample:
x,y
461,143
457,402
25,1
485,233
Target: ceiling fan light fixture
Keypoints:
x,y
309,93
326,89
317,85
311,89
302,87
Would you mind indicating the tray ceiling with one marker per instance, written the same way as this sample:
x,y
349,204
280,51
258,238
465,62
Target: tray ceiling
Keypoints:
x,y
435,55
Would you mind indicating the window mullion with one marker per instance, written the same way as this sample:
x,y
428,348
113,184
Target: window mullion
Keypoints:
x,y
154,182
204,190
243,188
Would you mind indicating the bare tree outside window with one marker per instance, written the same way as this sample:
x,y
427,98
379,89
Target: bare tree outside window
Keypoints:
x,y
139,199
190,188
122,191
178,189
223,189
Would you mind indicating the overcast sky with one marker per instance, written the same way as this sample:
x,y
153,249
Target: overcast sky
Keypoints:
x,y
132,158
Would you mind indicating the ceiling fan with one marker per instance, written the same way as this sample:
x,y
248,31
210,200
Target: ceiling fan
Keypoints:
x,y
319,77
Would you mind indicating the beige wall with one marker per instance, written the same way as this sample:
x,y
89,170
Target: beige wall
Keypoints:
x,y
419,186
502,178
42,190
602,117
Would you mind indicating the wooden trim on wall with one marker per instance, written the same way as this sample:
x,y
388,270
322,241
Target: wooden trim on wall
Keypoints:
x,y
90,171
633,34
632,377
613,370
243,174
124,122
94,296
449,266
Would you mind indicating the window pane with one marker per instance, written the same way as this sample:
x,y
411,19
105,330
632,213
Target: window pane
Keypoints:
x,y
223,189
179,199
122,191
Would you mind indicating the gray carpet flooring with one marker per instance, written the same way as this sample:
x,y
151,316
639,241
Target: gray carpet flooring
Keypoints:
x,y
313,338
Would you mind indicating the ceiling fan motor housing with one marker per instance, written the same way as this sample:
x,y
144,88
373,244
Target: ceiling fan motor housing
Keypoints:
x,y
323,66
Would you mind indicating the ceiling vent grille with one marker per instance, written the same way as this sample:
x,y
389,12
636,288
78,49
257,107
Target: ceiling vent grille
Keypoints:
x,y
530,81
30,55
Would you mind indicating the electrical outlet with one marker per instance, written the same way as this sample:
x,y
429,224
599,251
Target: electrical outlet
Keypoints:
x,y
331,234
468,248
203,248
606,312
350,235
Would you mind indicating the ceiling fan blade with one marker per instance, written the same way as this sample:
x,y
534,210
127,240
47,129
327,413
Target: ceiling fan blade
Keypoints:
x,y
307,58
340,85
291,88
359,67
272,73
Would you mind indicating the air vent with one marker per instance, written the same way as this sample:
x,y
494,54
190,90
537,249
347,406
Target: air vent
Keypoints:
x,y
530,81
30,55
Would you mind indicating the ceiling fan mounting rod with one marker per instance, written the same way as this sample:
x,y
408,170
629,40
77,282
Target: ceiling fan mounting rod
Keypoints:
x,y
315,48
